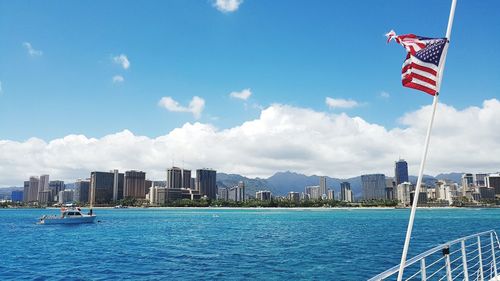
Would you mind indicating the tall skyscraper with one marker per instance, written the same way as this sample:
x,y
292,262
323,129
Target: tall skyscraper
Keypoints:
x,y
26,191
322,187
401,171
135,185
104,184
82,191
33,189
373,186
174,177
312,192
237,193
481,179
206,182
263,195
55,187
186,178
345,192
43,185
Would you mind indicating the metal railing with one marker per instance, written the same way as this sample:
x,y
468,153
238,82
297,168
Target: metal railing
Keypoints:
x,y
474,257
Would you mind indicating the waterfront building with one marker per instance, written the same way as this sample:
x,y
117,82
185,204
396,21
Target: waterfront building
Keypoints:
x,y
222,193
26,191
135,185
55,187
65,196
431,193
108,186
43,184
186,179
322,187
16,196
467,184
331,194
373,187
401,171
263,195
390,188
206,183
346,192
493,181
44,197
403,193
157,195
174,177
446,191
422,197
312,192
481,179
32,195
82,191
486,193
237,193
294,196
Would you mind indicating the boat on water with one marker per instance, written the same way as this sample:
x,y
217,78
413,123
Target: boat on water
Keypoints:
x,y
69,216
120,207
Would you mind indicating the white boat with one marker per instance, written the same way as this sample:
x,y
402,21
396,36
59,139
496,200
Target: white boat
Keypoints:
x,y
68,216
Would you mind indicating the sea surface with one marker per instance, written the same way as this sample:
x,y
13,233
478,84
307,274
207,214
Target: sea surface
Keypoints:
x,y
225,244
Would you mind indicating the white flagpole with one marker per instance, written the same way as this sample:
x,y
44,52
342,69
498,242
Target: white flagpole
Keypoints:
x,y
426,147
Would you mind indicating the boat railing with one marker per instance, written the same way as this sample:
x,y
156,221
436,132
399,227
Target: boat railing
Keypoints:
x,y
474,257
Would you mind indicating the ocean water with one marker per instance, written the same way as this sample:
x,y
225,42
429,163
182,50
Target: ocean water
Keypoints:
x,y
224,244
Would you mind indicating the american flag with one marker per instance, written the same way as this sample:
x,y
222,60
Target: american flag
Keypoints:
x,y
422,63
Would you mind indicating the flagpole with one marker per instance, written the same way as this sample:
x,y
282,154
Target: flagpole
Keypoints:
x,y
426,148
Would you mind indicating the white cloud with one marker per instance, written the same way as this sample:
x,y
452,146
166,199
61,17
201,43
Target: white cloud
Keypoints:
x,y
196,105
385,95
242,95
31,51
340,103
122,60
118,79
281,138
227,6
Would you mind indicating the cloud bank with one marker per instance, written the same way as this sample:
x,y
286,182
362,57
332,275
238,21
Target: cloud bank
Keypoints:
x,y
196,106
281,138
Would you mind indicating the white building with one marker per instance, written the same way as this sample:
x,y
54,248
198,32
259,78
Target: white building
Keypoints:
x,y
66,196
403,193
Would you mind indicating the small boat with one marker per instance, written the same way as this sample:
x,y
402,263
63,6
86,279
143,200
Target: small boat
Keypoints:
x,y
69,216
120,207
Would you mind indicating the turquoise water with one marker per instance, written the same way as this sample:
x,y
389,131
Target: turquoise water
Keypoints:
x,y
224,244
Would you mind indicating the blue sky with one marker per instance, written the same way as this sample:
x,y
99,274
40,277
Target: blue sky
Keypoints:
x,y
287,52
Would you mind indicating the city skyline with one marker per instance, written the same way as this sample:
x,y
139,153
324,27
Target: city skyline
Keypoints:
x,y
69,104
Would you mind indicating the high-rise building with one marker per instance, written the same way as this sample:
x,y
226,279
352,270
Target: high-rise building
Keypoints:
x,y
55,187
206,182
65,196
237,193
390,188
103,186
403,193
322,187
44,197
26,191
313,192
401,171
493,181
373,187
331,194
294,196
481,179
263,195
222,193
16,196
82,191
135,185
186,178
33,189
174,177
346,192
43,183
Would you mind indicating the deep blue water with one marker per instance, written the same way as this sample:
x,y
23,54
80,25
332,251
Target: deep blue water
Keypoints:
x,y
224,244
